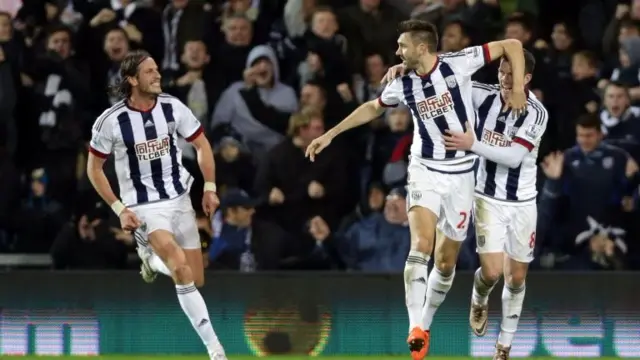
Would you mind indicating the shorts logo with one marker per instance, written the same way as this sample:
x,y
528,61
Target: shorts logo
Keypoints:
x,y
481,240
416,195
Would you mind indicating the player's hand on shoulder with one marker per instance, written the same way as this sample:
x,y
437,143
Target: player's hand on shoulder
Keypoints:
x,y
392,73
553,164
129,220
518,102
317,145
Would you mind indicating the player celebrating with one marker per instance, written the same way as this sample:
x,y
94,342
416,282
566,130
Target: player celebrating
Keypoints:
x,y
441,181
505,204
141,131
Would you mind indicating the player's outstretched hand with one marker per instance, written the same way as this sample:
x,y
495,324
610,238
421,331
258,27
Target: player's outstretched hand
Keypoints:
x,y
459,141
317,146
129,221
393,72
518,102
210,202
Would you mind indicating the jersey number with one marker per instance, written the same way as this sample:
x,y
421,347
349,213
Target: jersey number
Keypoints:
x,y
532,240
463,221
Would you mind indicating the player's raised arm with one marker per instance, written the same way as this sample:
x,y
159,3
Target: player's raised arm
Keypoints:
x,y
390,97
513,51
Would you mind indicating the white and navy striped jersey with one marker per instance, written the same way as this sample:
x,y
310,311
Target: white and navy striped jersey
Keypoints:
x,y
496,127
148,160
438,101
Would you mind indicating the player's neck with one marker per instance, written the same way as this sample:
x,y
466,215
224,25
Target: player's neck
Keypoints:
x,y
141,102
427,64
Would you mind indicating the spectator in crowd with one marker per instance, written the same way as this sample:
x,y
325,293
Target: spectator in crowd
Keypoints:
x,y
234,166
314,190
240,104
40,216
598,181
241,242
620,120
231,53
378,242
90,243
107,74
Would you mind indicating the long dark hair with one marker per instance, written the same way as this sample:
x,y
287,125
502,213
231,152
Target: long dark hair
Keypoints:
x,y
128,69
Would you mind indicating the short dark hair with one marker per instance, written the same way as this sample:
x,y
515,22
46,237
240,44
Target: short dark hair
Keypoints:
x,y
523,19
590,121
422,30
465,29
56,28
619,85
529,61
128,69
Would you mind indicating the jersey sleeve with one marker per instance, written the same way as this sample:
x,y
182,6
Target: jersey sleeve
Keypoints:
x,y
469,60
392,94
101,143
533,127
188,126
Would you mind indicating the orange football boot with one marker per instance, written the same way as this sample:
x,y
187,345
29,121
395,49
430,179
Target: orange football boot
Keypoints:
x,y
418,342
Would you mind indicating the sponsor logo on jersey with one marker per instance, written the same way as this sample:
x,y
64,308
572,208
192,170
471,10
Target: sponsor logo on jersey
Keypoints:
x,y
495,139
435,106
153,149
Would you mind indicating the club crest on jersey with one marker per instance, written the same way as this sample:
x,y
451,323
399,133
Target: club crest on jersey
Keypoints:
x,y
451,81
152,149
435,106
481,240
607,162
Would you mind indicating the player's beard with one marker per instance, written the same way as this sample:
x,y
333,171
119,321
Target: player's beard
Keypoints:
x,y
152,91
410,64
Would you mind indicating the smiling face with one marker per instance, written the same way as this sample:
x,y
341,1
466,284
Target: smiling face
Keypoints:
x,y
147,81
505,77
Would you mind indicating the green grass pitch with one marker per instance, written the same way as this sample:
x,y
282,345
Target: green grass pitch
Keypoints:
x,y
204,357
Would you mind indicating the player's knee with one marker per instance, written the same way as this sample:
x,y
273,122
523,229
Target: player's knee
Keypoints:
x,y
491,274
183,274
516,279
446,267
423,244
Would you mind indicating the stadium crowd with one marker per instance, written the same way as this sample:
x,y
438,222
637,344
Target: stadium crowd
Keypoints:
x,y
265,78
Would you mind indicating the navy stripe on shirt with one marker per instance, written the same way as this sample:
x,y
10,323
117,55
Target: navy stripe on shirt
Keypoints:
x,y
427,142
429,91
124,121
167,109
151,133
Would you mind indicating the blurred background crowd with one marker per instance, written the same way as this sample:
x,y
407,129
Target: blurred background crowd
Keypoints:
x,y
265,77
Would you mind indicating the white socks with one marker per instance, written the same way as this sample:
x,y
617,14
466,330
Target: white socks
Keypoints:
x,y
481,289
437,290
158,265
415,285
512,299
194,307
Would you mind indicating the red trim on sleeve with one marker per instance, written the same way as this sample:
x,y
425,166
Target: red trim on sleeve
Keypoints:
x,y
97,153
486,53
195,134
524,143
385,105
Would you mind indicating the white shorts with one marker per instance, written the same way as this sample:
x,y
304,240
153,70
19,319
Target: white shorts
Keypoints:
x,y
448,195
501,227
175,216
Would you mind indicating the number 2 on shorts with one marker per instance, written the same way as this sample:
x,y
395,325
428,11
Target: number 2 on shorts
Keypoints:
x,y
463,221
